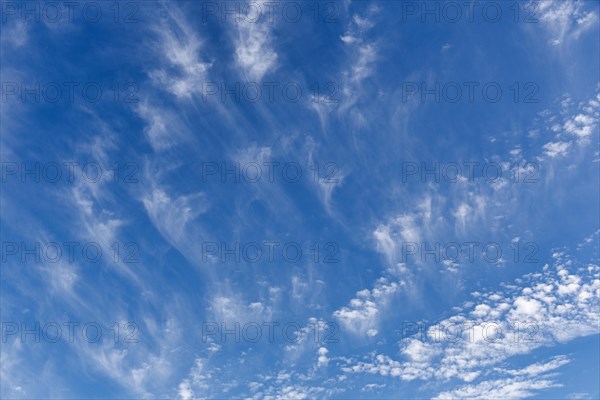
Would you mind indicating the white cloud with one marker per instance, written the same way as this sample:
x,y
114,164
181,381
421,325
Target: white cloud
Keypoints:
x,y
171,215
15,34
554,306
322,359
330,175
510,388
362,67
362,57
539,368
254,53
554,149
581,125
579,122
362,315
163,129
446,47
564,19
179,47
185,390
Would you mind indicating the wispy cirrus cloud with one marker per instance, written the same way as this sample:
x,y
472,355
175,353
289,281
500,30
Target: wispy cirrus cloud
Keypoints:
x,y
254,52
564,20
183,70
523,384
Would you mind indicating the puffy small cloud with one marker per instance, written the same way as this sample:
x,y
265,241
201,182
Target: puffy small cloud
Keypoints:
x,y
555,149
322,359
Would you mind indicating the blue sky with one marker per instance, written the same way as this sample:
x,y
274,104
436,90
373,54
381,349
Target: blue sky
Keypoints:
x,y
291,200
